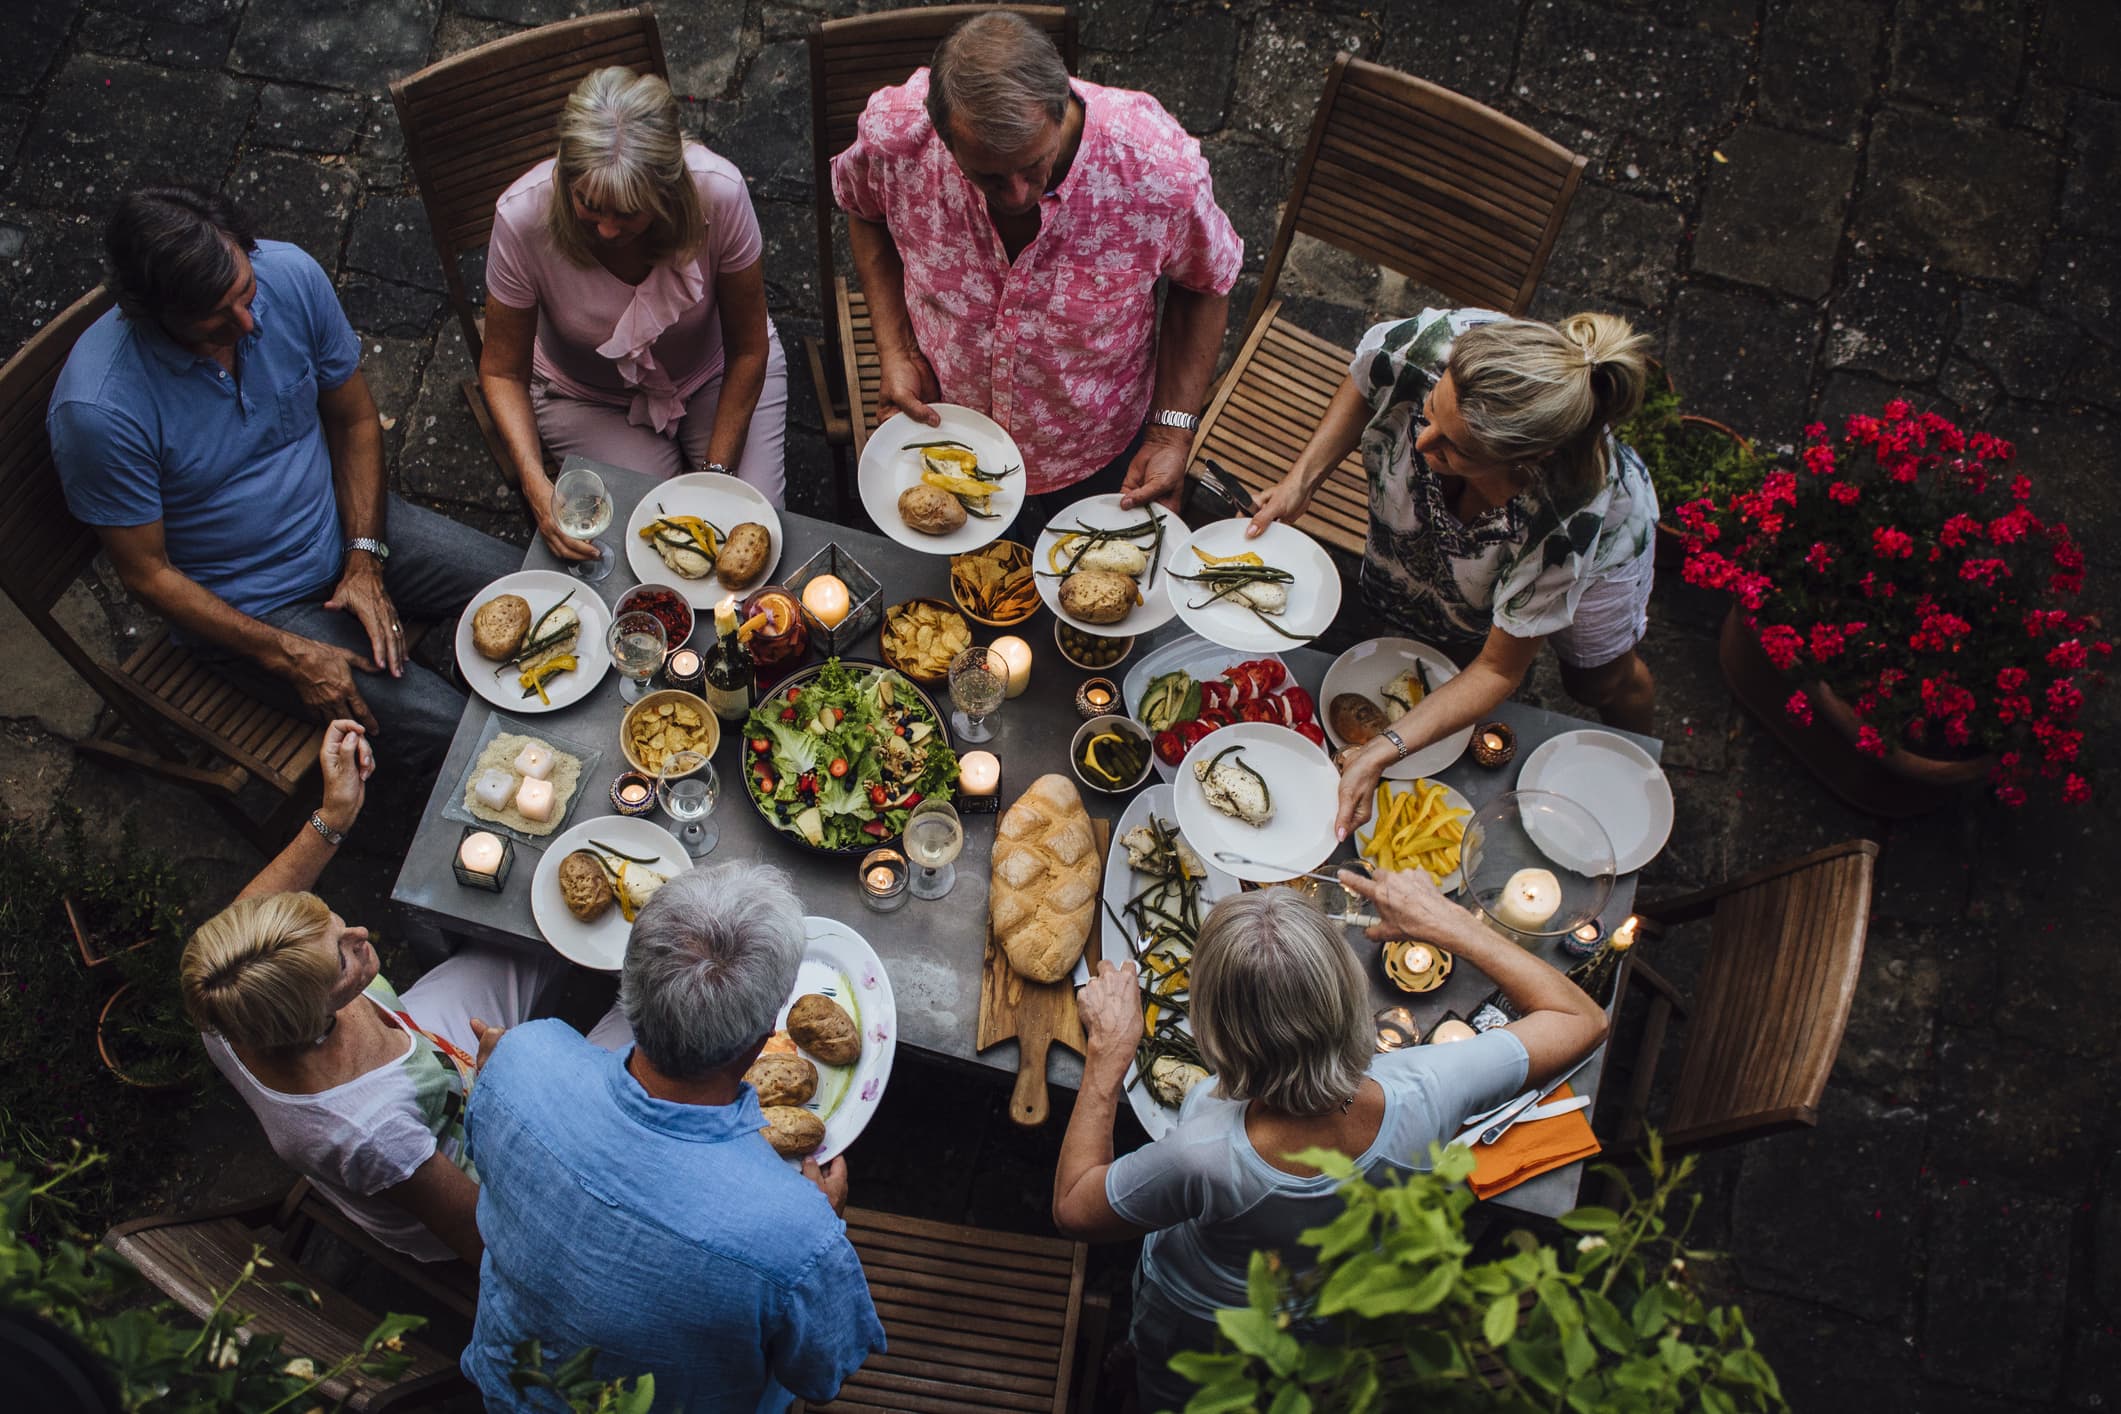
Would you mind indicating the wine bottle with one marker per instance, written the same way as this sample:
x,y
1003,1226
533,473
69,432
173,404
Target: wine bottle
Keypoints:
x,y
1598,973
727,680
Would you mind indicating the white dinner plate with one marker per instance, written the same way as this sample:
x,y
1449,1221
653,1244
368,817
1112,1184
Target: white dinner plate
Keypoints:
x,y
1191,655
1302,786
1122,884
600,945
889,466
839,963
1104,513
1314,597
1365,669
1450,882
541,589
1616,781
711,496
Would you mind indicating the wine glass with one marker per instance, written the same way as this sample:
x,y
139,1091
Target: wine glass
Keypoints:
x,y
689,800
978,679
934,838
583,508
638,642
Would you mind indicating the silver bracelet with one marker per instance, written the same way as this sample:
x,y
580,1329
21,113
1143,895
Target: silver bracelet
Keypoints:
x,y
332,837
1171,417
1399,743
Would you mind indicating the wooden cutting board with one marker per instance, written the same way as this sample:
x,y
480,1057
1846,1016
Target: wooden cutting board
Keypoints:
x,y
1037,1014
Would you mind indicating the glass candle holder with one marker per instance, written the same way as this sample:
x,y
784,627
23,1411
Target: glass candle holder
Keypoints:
x,y
633,793
1095,698
483,859
1494,744
979,783
883,879
685,669
1584,940
1396,1029
858,589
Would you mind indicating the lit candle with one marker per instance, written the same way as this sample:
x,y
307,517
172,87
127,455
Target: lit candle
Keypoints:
x,y
978,772
534,761
1099,697
879,879
1017,654
480,853
684,664
1491,741
534,799
826,599
633,792
1396,1028
1420,959
1450,1030
1530,898
883,879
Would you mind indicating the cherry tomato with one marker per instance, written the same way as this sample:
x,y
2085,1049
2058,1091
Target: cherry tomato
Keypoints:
x,y
787,714
761,745
877,797
795,694
839,714
838,767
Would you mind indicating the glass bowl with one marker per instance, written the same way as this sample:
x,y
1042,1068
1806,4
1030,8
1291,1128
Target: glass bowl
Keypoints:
x,y
1537,830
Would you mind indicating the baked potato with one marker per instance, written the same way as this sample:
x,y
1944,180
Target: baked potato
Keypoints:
x,y
584,886
744,555
1355,718
497,628
929,510
1099,596
793,1132
821,1027
782,1080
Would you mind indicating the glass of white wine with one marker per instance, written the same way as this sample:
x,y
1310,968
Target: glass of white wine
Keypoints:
x,y
934,839
689,801
978,679
638,643
583,508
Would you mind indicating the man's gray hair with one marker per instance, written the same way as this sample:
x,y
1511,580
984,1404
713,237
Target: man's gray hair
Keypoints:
x,y
998,74
710,960
1280,1007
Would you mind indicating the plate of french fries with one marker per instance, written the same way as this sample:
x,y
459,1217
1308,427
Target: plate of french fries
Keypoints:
x,y
995,585
1418,824
921,636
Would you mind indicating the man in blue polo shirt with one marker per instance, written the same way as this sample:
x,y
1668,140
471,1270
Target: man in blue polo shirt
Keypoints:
x,y
217,432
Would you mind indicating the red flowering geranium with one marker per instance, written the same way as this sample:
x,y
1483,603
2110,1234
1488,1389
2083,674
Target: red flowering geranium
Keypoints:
x,y
1906,571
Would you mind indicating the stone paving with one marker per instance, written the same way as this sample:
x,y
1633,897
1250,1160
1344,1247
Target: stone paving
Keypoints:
x,y
1815,203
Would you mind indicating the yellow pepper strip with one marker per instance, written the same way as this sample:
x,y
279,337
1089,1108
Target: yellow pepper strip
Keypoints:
x,y
959,485
1149,1019
1244,557
626,909
1058,548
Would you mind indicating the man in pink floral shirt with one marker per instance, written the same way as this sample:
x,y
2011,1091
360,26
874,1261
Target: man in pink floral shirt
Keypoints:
x,y
1010,225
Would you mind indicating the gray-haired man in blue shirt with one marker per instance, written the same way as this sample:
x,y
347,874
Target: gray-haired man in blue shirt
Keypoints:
x,y
217,432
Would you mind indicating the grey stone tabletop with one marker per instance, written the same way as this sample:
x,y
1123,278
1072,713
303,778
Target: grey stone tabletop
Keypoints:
x,y
933,950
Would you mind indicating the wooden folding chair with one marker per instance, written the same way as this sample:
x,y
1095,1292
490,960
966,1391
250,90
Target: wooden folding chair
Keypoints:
x,y
1785,949
851,59
193,1259
1410,176
976,1320
170,714
476,121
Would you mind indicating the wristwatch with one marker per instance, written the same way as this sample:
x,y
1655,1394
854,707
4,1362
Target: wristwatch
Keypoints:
x,y
1168,417
332,837
369,543
1399,743
717,468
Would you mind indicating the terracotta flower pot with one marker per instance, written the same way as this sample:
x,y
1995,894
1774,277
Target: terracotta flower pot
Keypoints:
x,y
1900,784
109,1023
1671,544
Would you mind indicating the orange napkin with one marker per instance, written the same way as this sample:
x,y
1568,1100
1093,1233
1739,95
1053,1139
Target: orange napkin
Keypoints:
x,y
1529,1149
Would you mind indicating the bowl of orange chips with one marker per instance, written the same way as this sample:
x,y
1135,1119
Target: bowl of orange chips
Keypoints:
x,y
994,584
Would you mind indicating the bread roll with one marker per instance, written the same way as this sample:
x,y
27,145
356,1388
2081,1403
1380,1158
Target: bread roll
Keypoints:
x,y
1044,895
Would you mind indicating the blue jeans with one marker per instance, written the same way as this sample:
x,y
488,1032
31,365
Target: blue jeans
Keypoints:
x,y
435,567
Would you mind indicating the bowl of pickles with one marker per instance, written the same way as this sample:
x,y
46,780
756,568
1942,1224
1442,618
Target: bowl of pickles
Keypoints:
x,y
1111,754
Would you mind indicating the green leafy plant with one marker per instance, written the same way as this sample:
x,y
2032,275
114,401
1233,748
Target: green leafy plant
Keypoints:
x,y
1398,1315
162,1359
574,1380
1687,460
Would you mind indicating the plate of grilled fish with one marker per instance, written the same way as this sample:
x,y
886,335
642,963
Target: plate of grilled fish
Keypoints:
x,y
533,641
1260,794
1280,590
705,535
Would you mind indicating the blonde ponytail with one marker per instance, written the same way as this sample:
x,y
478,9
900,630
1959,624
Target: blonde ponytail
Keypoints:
x,y
253,975
1532,392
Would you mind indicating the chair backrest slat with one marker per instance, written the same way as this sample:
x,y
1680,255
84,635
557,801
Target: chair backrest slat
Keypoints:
x,y
476,121
1428,183
1773,999
851,59
42,547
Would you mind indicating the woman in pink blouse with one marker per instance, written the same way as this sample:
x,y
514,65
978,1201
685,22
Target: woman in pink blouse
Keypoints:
x,y
626,306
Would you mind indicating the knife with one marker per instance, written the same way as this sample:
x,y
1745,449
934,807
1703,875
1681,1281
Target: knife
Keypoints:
x,y
1516,1109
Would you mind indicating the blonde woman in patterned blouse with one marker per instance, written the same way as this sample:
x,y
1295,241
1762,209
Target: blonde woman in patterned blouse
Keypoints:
x,y
1503,512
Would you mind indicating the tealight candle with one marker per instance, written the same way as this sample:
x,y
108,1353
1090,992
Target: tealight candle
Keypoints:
x,y
684,669
883,879
535,762
827,600
1585,940
1494,744
1450,1029
534,798
1017,654
1396,1028
1420,959
1530,898
978,773
1095,698
633,793
480,853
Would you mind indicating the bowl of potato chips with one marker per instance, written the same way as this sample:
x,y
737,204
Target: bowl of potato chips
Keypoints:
x,y
1417,824
994,584
669,724
921,636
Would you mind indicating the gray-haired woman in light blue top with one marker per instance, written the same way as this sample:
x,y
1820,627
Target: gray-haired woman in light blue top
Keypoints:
x,y
1282,1015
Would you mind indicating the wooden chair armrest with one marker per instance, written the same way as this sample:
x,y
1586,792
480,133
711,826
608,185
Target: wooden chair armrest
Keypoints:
x,y
1684,908
1090,1349
1650,977
831,395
